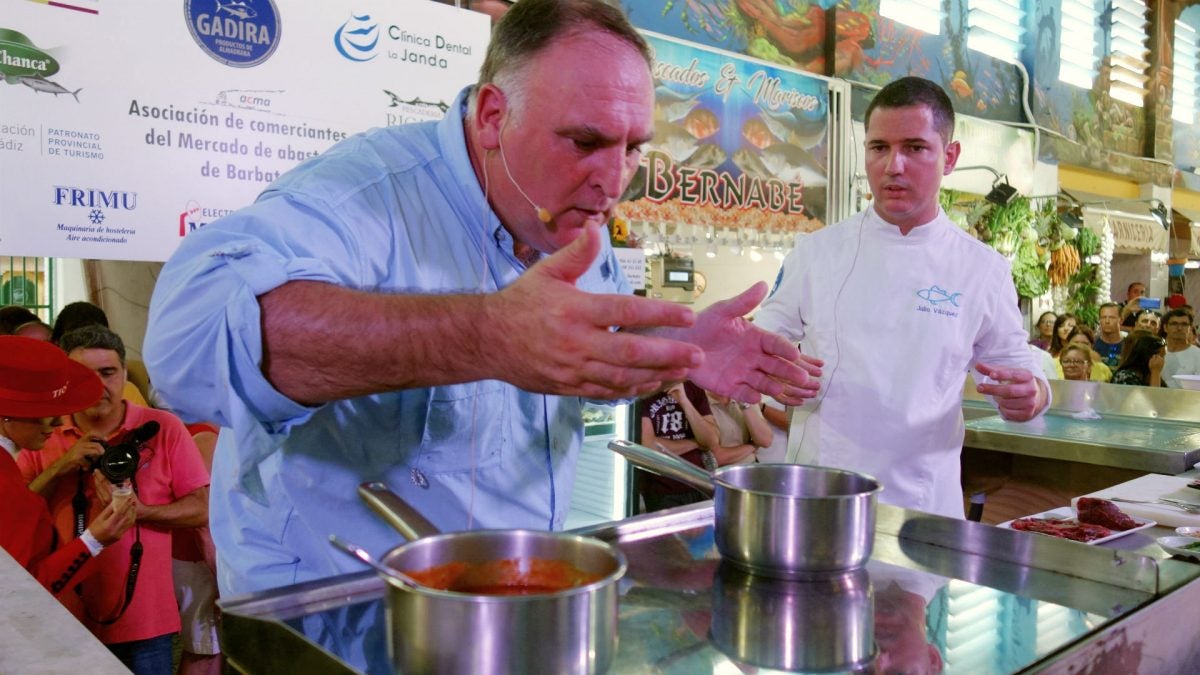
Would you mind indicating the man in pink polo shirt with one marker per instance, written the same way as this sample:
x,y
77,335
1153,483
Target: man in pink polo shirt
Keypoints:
x,y
170,491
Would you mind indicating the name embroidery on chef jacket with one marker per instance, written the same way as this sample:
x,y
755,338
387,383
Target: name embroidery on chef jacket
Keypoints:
x,y
938,300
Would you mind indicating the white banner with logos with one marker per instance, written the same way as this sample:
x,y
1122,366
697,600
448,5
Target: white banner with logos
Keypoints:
x,y
125,126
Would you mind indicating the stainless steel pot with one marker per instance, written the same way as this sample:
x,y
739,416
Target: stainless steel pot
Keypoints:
x,y
819,625
780,520
436,631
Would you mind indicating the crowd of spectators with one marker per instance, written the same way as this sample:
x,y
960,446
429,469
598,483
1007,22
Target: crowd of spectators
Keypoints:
x,y
138,565
1131,345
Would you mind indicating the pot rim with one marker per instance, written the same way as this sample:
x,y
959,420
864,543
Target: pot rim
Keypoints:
x,y
745,468
607,580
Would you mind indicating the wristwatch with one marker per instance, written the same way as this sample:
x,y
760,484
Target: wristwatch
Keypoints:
x,y
709,460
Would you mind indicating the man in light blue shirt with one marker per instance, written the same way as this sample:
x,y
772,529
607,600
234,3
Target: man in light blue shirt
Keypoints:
x,y
377,314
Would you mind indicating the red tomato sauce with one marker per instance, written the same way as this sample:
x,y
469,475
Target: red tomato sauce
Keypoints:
x,y
504,577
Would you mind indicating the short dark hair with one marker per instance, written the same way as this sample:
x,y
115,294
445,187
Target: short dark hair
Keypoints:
x,y
533,25
93,336
914,91
77,315
1178,312
1112,305
13,317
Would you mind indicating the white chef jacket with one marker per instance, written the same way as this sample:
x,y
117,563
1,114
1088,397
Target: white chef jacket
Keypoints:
x,y
898,320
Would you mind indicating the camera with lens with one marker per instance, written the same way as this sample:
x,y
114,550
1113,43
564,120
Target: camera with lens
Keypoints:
x,y
119,461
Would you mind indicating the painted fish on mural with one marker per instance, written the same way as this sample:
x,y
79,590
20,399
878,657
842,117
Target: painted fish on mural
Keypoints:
x,y
674,140
793,164
701,123
671,105
707,156
796,127
757,133
748,160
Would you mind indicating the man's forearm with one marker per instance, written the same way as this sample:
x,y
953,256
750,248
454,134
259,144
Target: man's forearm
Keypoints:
x,y
191,510
323,342
46,480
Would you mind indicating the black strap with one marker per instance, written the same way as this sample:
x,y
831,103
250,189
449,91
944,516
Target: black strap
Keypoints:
x,y
135,564
79,504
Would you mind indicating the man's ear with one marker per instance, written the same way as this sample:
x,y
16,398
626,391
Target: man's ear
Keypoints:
x,y
952,151
491,110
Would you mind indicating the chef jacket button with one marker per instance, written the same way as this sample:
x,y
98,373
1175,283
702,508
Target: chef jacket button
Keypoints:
x,y
419,479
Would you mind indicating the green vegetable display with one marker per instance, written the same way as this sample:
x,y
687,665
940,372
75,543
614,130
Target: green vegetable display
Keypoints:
x,y
1043,249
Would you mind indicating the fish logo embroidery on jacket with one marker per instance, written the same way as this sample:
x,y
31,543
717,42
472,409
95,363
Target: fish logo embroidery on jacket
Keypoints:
x,y
936,295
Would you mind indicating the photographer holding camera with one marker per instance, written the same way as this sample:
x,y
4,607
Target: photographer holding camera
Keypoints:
x,y
129,603
38,385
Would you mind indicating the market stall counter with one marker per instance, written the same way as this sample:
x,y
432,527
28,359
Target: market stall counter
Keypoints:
x,y
937,592
1095,435
37,633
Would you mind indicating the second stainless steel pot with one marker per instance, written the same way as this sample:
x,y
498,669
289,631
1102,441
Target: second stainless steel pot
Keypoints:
x,y
435,631
781,520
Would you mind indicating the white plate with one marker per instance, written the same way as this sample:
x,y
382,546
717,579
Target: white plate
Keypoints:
x,y
1188,531
1187,381
1174,546
1068,513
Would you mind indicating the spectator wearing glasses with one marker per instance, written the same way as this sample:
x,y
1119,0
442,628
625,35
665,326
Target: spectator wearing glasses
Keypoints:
x,y
1045,331
1076,362
1183,357
1083,336
1144,363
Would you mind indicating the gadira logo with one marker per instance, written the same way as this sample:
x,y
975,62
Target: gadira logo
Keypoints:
x,y
238,33
357,38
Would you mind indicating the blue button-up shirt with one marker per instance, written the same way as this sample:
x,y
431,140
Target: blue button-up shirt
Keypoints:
x,y
394,210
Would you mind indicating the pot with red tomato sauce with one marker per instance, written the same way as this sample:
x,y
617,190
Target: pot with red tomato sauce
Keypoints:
x,y
497,601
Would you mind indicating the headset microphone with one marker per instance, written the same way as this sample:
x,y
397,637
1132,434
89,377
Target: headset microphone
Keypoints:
x,y
542,214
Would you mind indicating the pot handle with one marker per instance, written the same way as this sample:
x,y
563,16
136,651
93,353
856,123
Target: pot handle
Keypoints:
x,y
664,464
397,512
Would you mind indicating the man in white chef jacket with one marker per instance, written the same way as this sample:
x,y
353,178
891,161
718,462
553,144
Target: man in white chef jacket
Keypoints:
x,y
942,301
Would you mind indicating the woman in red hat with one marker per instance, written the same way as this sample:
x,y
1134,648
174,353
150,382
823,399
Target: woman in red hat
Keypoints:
x,y
38,385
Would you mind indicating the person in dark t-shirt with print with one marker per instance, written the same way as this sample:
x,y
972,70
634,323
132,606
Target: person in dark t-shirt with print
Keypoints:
x,y
679,421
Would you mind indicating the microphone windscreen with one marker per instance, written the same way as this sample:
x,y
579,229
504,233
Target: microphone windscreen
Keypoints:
x,y
145,432
543,214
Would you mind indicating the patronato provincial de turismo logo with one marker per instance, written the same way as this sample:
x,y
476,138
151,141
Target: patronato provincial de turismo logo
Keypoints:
x,y
238,33
23,62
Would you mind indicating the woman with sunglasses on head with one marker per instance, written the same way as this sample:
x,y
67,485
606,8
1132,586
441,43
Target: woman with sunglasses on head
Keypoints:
x,y
1144,363
38,385
1063,325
